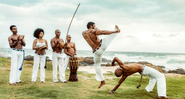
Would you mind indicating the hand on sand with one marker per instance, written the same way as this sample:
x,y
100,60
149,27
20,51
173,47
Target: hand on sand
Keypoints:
x,y
117,29
111,93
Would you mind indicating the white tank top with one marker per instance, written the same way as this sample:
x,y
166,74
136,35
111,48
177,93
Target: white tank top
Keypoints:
x,y
38,44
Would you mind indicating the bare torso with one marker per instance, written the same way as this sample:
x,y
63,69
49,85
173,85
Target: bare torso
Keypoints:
x,y
126,70
129,69
54,42
70,49
91,38
14,38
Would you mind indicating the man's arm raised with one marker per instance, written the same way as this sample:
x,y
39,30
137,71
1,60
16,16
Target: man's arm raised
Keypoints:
x,y
119,83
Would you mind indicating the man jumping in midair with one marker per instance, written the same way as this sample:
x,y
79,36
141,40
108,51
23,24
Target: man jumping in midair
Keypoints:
x,y
98,46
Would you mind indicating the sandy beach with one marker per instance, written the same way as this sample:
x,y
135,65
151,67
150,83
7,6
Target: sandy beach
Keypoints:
x,y
105,69
91,69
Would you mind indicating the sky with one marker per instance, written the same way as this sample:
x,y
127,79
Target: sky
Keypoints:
x,y
146,25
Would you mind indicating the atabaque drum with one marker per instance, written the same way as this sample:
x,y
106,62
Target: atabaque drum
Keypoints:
x,y
73,66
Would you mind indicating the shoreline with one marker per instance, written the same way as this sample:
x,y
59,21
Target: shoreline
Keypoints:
x,y
106,64
91,70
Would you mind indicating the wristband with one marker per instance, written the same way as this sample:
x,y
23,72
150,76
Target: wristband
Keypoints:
x,y
112,91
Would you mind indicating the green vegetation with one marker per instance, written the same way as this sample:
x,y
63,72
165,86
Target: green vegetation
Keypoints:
x,y
85,88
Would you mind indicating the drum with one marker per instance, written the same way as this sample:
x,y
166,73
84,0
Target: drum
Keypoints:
x,y
73,66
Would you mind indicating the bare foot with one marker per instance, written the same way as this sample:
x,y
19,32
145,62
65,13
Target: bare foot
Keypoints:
x,y
117,29
33,81
21,82
42,81
13,84
162,97
102,83
56,82
65,82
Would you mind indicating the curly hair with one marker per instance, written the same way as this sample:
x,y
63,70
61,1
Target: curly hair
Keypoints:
x,y
37,32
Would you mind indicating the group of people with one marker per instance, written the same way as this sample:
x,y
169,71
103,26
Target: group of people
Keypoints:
x,y
98,47
40,46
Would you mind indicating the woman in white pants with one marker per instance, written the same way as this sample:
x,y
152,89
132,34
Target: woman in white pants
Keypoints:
x,y
39,45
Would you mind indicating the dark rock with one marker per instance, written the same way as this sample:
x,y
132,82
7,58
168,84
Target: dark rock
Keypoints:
x,y
48,59
81,64
103,64
90,58
162,66
9,58
177,71
29,58
88,61
85,61
105,60
108,64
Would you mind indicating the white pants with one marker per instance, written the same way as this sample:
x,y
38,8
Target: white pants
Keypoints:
x,y
98,55
42,60
66,62
155,76
17,60
58,59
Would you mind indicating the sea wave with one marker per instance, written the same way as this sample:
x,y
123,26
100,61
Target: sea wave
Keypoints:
x,y
169,60
175,61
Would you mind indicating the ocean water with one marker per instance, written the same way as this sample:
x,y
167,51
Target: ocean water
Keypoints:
x,y
169,60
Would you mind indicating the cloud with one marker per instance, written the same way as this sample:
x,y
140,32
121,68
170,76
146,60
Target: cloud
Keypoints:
x,y
20,2
144,24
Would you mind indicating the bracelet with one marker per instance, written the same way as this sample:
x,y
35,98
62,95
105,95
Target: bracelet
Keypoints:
x,y
112,91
